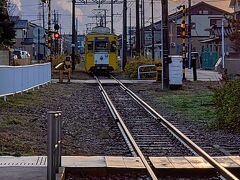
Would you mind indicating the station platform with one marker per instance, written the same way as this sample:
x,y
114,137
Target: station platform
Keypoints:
x,y
35,167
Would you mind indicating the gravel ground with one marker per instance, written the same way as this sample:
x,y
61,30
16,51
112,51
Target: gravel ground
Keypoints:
x,y
226,143
88,128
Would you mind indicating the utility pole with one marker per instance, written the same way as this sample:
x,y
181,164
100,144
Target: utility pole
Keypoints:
x,y
49,30
152,29
130,32
43,21
38,54
137,29
76,35
73,34
223,44
189,34
183,27
165,38
124,38
112,16
55,40
143,26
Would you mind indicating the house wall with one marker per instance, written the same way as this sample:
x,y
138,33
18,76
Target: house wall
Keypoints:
x,y
21,33
4,57
232,65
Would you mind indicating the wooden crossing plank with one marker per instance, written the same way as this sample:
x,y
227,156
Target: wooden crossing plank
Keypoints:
x,y
83,161
198,162
115,161
180,163
120,162
225,161
161,162
133,162
236,159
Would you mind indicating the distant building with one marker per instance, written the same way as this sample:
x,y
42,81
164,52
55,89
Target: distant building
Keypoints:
x,y
204,16
235,5
30,37
67,43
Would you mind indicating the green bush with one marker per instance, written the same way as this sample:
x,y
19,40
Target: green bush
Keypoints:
x,y
57,59
227,100
131,68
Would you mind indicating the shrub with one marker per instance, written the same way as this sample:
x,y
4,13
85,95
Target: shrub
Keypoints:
x,y
131,68
227,100
57,59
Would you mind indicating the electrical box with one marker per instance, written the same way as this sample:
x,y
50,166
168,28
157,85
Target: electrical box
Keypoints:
x,y
175,71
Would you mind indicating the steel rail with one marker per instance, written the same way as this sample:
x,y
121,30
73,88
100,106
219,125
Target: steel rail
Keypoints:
x,y
131,139
223,171
118,123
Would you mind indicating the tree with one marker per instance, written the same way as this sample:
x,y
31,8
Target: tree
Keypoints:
x,y
235,35
7,32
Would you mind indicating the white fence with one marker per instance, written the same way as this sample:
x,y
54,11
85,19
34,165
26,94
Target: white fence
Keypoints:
x,y
17,79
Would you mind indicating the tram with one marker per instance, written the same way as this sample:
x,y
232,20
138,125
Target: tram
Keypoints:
x,y
101,52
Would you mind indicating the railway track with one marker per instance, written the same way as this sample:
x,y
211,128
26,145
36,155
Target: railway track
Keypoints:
x,y
147,133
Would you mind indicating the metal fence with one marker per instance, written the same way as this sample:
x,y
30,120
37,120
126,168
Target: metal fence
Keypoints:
x,y
17,79
145,72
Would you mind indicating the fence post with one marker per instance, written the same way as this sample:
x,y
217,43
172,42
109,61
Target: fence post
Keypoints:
x,y
59,141
54,141
50,159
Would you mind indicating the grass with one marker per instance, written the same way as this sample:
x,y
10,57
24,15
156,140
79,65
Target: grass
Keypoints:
x,y
196,106
25,99
10,121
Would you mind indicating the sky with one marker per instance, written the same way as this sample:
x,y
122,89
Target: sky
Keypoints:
x,y
32,11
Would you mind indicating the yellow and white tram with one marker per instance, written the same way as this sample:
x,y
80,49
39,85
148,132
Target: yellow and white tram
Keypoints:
x,y
101,52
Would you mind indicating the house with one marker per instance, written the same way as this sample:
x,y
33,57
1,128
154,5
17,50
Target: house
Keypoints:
x,y
203,16
212,46
30,37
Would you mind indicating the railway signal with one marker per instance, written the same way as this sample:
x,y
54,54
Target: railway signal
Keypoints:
x,y
183,36
56,35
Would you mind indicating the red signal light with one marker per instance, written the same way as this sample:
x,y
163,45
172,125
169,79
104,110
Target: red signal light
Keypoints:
x,y
56,35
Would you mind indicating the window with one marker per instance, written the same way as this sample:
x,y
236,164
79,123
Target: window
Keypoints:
x,y
214,21
101,46
205,11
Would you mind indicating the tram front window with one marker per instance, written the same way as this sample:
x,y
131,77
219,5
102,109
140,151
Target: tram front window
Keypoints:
x,y
101,46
